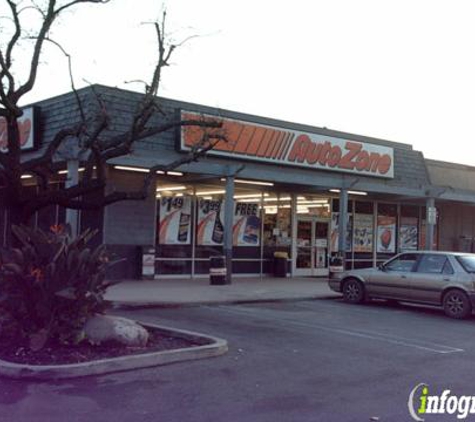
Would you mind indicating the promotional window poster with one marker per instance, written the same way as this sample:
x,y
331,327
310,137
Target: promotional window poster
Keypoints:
x,y
175,221
408,234
386,233
246,224
334,232
363,233
210,229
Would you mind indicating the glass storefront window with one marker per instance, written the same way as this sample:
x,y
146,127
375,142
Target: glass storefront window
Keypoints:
x,y
277,221
247,227
313,205
363,234
409,228
386,230
277,227
175,226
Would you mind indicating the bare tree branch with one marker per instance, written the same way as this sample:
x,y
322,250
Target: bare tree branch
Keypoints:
x,y
97,145
72,3
71,77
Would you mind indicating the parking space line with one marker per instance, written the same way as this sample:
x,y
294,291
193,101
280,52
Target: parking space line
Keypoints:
x,y
397,340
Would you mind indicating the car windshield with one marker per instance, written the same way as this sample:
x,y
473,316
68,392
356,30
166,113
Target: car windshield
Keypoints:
x,y
468,262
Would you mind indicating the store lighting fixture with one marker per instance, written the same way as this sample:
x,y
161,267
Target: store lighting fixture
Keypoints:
x,y
136,169
171,188
26,176
250,196
351,192
249,200
251,182
274,198
144,170
314,201
66,171
210,192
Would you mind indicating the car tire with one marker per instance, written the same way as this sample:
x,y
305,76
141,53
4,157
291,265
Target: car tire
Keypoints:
x,y
457,304
353,291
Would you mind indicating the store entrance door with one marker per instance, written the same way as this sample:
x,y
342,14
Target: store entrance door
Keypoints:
x,y
312,247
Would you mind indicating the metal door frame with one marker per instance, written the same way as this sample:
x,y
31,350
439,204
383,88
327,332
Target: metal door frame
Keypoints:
x,y
313,271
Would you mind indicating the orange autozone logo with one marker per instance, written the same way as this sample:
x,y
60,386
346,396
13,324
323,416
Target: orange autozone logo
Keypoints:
x,y
269,144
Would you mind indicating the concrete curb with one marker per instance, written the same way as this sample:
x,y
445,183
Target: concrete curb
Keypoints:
x,y
117,305
121,363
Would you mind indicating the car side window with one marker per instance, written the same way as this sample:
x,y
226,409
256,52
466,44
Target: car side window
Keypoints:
x,y
403,263
432,264
448,269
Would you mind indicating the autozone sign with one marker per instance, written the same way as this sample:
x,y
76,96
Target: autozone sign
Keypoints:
x,y
26,128
256,142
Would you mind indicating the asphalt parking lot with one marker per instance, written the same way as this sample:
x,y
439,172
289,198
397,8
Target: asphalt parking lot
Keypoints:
x,y
320,360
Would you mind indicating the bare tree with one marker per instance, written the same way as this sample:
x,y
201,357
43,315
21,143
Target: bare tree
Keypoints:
x,y
91,135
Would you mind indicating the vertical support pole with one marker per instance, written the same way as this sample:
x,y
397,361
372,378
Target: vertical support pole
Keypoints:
x,y
430,223
228,227
342,224
375,234
195,206
72,180
293,228
261,235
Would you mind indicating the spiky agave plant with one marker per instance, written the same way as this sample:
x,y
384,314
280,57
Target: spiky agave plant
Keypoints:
x,y
50,286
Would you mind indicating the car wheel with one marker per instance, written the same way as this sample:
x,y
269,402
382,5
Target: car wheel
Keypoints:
x,y
456,304
353,291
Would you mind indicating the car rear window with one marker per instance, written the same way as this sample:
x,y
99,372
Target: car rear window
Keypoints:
x,y
433,264
467,262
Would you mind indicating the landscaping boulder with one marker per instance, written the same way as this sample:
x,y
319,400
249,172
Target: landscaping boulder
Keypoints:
x,y
106,328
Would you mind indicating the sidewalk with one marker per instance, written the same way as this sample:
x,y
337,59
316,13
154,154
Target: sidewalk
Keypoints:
x,y
192,292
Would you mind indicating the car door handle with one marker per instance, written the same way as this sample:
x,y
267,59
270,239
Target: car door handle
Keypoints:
x,y
403,276
446,279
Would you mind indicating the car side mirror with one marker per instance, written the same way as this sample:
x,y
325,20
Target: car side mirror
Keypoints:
x,y
381,267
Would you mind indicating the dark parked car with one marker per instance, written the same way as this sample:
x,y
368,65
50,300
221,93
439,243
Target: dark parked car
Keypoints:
x,y
436,278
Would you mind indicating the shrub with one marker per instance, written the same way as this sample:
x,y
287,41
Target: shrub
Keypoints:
x,y
49,286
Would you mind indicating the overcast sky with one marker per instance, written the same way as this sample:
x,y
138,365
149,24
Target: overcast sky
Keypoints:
x,y
399,70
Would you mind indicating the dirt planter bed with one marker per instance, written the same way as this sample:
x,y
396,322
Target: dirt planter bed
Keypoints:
x,y
213,347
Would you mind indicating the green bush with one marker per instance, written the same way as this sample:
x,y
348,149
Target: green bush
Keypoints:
x,y
49,286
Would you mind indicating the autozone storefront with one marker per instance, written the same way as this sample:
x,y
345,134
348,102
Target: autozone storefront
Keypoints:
x,y
287,186
275,186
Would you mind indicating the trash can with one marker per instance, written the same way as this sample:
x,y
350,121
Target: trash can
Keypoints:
x,y
217,270
280,264
148,262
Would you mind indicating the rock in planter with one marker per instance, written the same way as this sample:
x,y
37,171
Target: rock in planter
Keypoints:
x,y
105,328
